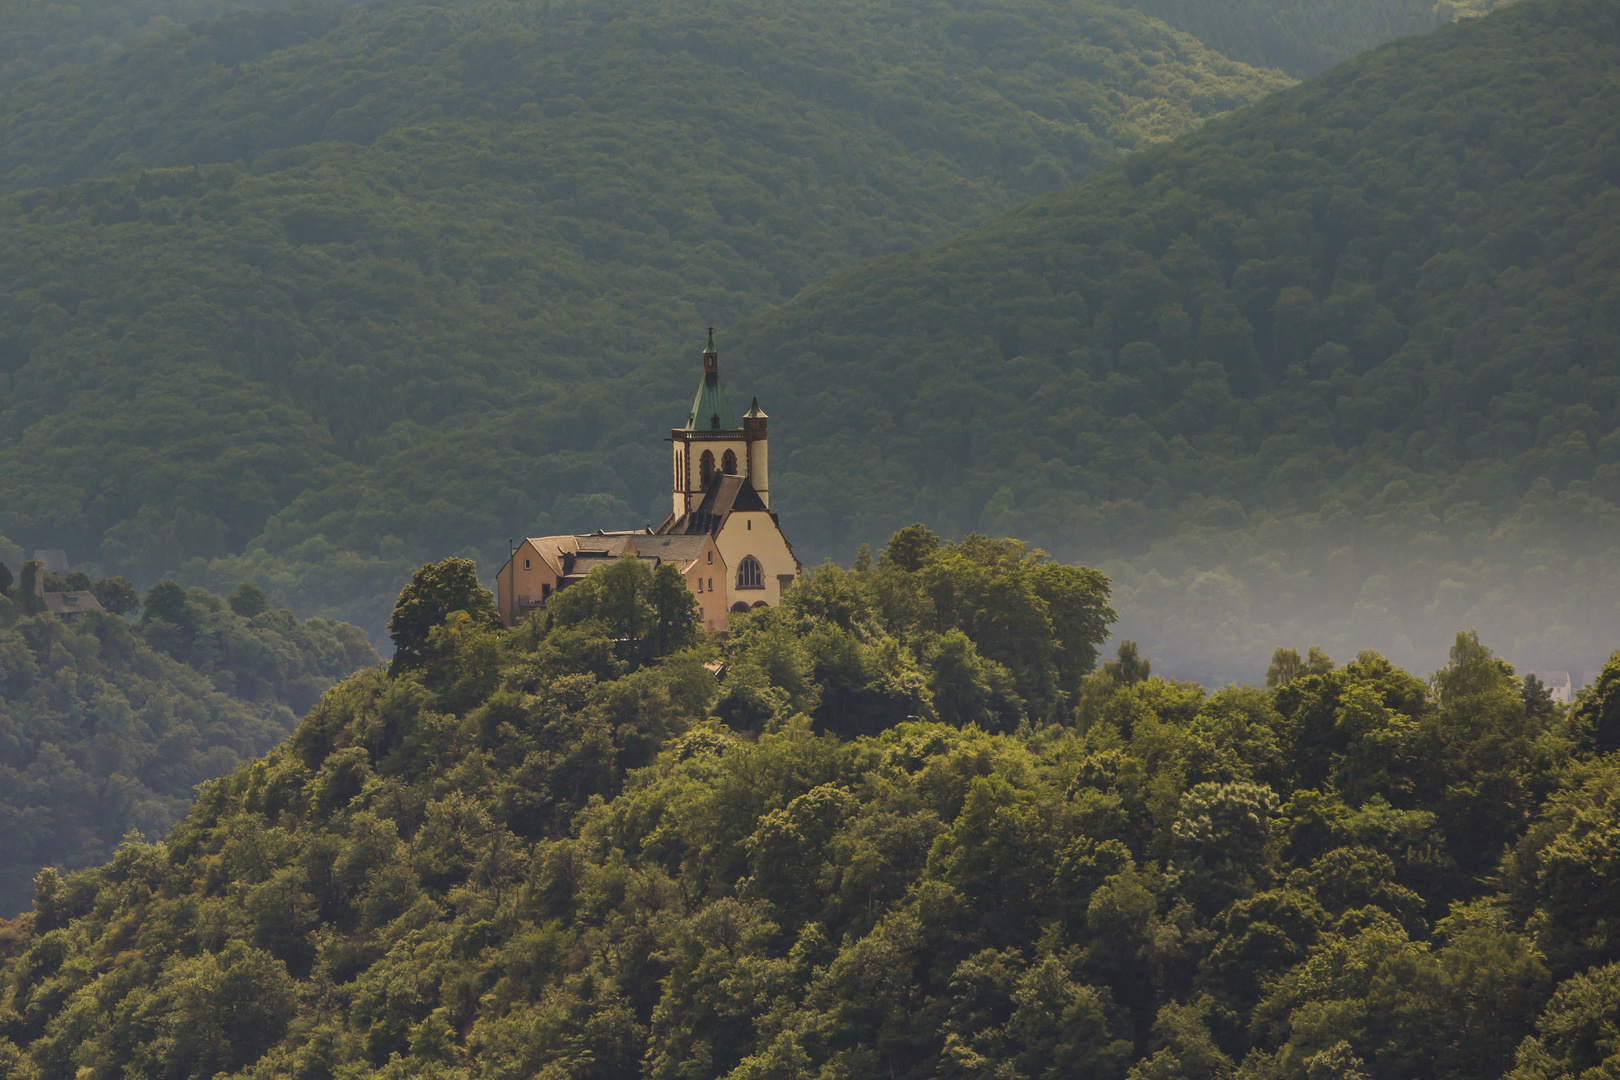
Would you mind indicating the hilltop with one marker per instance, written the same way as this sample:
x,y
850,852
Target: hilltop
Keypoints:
x,y
542,852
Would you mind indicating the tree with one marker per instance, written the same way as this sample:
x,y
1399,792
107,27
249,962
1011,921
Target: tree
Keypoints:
x,y
1221,841
1286,666
117,595
435,591
1128,666
1579,1034
249,600
909,548
1596,715
648,612
167,601
5,580
29,587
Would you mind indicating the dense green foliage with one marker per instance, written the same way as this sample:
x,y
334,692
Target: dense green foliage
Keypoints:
x,y
1304,36
1345,364
105,726
396,279
527,859
1337,369
39,35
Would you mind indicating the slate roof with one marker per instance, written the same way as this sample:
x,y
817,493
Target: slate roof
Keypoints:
x,y
725,495
66,604
671,548
573,555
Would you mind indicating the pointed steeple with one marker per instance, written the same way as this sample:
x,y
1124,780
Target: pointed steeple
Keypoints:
x,y
711,409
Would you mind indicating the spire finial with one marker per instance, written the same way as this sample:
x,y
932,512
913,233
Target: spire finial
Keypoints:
x,y
711,340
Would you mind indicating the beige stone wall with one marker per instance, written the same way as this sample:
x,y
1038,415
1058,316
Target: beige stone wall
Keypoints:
x,y
754,533
532,582
709,580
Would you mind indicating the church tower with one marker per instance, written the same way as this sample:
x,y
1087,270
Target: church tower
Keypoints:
x,y
722,490
713,444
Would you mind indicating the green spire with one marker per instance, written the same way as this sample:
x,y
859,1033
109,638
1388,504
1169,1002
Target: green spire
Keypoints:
x,y
711,409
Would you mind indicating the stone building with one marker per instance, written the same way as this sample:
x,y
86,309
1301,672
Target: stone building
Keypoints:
x,y
721,532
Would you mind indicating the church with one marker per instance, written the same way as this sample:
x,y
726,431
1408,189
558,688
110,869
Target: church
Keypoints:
x,y
721,533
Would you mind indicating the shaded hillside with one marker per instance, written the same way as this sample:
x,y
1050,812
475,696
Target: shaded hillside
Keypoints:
x,y
1344,364
1304,36
523,859
38,35
384,322
106,726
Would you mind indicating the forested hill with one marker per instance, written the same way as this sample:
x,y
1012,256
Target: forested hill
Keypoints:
x,y
566,852
378,290
39,35
1305,36
1343,364
107,725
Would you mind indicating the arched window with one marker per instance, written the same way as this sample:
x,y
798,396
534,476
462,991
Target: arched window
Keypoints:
x,y
728,463
757,604
749,574
740,607
706,468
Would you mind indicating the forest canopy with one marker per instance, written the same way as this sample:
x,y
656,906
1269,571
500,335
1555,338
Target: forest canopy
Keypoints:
x,y
528,853
351,248
106,725
1344,361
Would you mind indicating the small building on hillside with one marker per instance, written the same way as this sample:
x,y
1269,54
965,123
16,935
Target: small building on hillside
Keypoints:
x,y
1558,685
721,532
68,605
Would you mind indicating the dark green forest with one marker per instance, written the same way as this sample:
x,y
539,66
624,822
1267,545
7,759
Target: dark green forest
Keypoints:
x,y
336,243
402,281
1343,361
914,832
106,725
37,36
1304,37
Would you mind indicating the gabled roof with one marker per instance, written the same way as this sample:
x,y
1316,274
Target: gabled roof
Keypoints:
x,y
683,549
574,555
726,494
72,603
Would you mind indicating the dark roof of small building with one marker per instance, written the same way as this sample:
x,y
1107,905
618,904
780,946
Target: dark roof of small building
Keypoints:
x,y
72,603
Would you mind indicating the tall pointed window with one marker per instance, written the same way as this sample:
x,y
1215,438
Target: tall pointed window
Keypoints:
x,y
749,574
728,462
706,468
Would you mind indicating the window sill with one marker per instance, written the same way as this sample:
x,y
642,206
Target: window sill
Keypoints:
x,y
748,588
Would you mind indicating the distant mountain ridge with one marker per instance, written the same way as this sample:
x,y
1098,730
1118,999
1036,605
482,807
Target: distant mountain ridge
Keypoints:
x,y
404,279
1347,357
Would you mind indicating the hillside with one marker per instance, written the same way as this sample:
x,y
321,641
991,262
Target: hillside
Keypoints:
x,y
106,726
1304,37
536,854
337,243
37,36
1339,368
